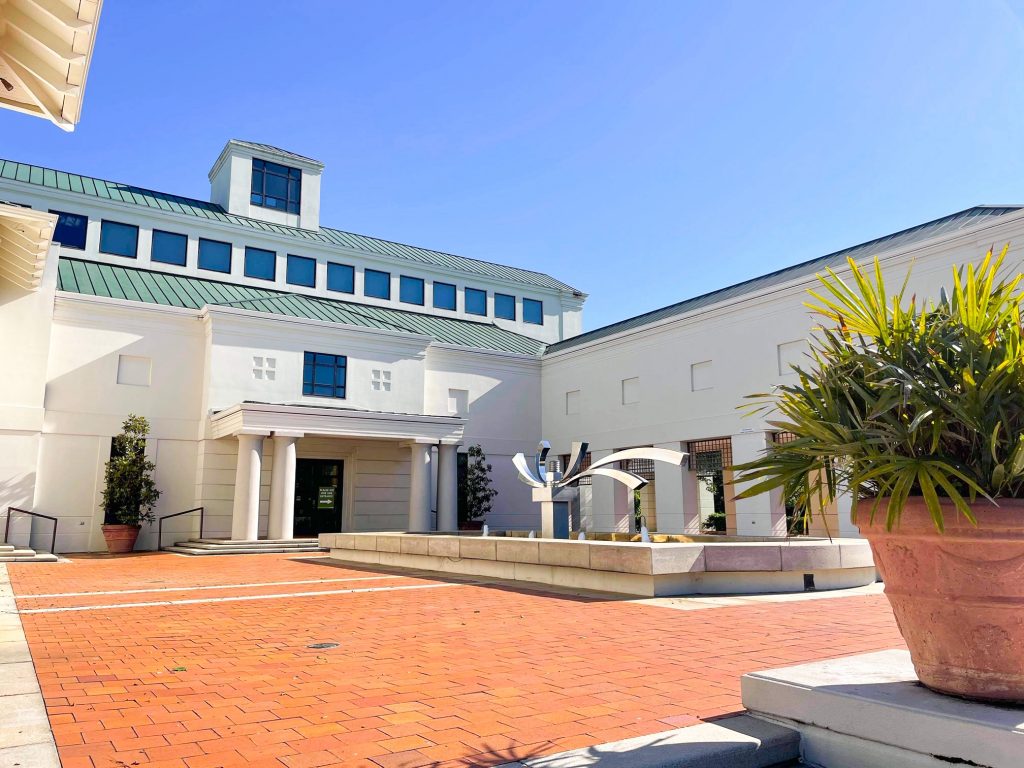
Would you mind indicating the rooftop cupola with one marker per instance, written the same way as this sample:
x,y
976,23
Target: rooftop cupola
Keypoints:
x,y
264,182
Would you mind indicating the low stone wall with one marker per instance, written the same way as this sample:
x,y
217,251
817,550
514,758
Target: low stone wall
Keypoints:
x,y
630,568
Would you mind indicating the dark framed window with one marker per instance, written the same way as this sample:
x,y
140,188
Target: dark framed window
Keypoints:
x,y
169,248
324,375
533,311
119,239
476,301
214,255
301,271
377,284
504,306
444,296
410,290
276,186
260,263
70,230
341,278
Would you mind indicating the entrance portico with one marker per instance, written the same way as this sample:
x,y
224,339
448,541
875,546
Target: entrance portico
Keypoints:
x,y
283,428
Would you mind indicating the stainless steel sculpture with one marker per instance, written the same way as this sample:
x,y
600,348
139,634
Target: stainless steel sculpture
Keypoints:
x,y
554,489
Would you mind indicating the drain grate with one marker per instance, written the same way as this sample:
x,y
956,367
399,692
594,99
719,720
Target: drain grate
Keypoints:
x,y
322,645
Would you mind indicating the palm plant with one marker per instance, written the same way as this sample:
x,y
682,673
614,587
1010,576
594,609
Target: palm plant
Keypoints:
x,y
903,399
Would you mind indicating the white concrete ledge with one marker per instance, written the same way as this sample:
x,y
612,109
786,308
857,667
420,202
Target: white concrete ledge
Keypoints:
x,y
25,735
870,711
735,742
631,568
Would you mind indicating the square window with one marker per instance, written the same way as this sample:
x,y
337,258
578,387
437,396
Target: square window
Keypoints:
x,y
476,301
260,264
380,380
791,353
70,230
701,376
134,370
169,248
572,402
458,401
444,296
301,271
275,186
214,255
410,290
341,278
533,311
324,375
119,239
504,306
631,390
377,284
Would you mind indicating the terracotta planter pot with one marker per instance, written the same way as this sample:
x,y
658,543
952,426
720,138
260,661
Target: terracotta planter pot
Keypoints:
x,y
958,596
121,538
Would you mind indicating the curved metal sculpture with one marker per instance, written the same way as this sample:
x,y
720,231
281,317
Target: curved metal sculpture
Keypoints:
x,y
548,485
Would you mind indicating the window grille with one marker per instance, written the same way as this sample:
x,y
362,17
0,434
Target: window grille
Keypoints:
x,y
585,464
783,437
709,456
642,467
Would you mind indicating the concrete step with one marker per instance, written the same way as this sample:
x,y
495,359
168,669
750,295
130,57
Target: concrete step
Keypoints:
x,y
6,548
255,542
184,549
12,555
235,545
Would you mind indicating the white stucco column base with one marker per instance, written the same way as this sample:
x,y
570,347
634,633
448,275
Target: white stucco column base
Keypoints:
x,y
447,487
869,710
282,487
765,514
245,512
419,487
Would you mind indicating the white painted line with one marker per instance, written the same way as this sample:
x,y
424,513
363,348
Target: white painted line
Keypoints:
x,y
208,586
196,600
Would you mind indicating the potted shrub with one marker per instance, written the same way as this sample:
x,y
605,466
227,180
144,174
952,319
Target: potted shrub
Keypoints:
x,y
477,491
129,492
918,412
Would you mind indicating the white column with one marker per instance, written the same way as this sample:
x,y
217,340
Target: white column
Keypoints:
x,y
691,502
245,514
764,514
282,487
419,487
668,491
447,488
602,498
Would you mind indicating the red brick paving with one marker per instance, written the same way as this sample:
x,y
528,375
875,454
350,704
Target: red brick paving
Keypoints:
x,y
451,676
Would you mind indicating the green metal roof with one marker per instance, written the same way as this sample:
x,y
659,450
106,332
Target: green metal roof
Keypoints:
x,y
126,193
92,278
947,224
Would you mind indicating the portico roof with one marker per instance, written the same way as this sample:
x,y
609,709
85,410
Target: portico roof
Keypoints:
x,y
25,237
298,419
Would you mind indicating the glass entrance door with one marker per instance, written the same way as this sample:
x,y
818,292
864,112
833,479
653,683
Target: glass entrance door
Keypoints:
x,y
318,490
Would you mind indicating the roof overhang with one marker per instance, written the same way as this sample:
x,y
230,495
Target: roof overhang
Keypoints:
x,y
299,420
25,237
45,50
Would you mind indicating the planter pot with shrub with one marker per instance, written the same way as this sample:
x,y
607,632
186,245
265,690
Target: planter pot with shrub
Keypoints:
x,y
129,492
918,413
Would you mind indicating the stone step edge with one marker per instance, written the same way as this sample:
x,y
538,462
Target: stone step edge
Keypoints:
x,y
212,552
281,542
741,741
38,558
226,548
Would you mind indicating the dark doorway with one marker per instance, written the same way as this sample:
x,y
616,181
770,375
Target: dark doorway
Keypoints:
x,y
318,491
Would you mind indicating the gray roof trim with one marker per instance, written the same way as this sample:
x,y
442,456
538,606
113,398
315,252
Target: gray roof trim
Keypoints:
x,y
945,225
118,192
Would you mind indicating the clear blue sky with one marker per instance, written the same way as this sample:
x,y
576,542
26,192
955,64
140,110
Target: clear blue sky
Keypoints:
x,y
643,151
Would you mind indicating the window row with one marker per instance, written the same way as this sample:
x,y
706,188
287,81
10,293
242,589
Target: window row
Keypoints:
x,y
120,239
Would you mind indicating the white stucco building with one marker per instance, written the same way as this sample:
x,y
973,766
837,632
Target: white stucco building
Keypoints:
x,y
299,379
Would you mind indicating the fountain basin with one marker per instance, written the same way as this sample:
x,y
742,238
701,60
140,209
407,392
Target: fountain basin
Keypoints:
x,y
735,566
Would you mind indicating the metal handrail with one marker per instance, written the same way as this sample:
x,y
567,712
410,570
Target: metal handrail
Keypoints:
x,y
7,526
160,524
